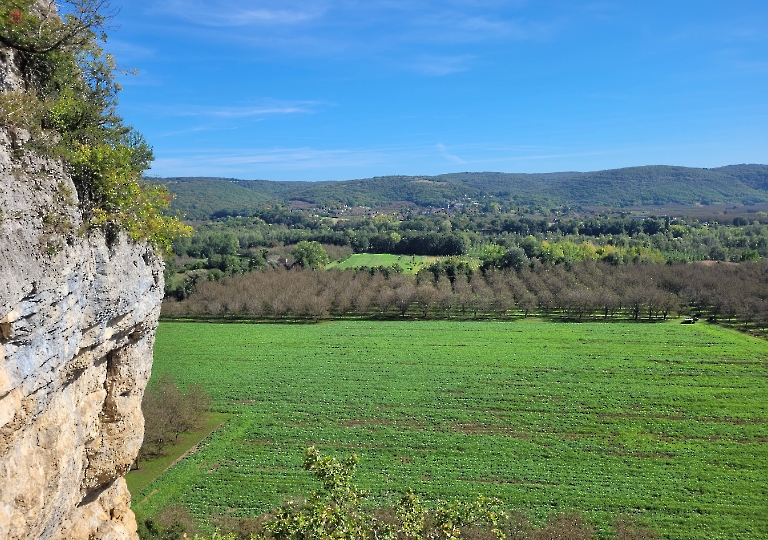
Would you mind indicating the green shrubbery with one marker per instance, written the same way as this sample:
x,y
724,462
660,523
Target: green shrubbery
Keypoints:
x,y
310,254
336,511
68,106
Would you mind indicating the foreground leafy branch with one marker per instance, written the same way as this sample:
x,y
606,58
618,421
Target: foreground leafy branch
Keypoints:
x,y
336,511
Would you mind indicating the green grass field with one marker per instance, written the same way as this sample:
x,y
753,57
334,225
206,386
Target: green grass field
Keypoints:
x,y
411,264
152,468
665,422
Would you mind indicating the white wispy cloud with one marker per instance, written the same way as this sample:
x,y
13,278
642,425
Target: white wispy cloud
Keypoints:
x,y
266,108
451,157
195,129
251,17
227,13
126,51
468,27
354,27
222,161
752,66
308,163
332,163
242,112
442,65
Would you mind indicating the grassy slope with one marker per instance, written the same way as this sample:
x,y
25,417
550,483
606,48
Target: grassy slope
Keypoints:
x,y
664,421
151,469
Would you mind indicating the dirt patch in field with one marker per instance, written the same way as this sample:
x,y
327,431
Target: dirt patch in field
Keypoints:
x,y
642,455
634,416
358,422
729,362
474,428
516,481
355,446
735,421
263,442
711,438
373,423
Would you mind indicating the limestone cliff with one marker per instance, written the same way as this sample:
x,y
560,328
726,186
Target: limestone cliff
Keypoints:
x,y
77,321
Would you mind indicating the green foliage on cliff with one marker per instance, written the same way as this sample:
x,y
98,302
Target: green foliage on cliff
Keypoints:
x,y
68,104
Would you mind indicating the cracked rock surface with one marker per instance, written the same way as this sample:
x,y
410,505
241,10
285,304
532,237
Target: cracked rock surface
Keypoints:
x,y
77,325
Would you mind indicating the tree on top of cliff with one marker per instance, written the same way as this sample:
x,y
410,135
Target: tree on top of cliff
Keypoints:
x,y
69,106
45,31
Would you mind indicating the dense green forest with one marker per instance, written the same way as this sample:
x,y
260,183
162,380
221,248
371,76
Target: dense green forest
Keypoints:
x,y
205,198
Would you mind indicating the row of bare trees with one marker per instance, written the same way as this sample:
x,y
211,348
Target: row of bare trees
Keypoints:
x,y
586,290
169,411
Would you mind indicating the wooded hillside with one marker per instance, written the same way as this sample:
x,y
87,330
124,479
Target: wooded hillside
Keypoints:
x,y
204,198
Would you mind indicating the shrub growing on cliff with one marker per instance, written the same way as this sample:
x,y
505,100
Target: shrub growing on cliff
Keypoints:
x,y
68,104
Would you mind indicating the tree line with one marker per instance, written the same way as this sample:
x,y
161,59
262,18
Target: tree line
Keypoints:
x,y
239,245
586,290
452,234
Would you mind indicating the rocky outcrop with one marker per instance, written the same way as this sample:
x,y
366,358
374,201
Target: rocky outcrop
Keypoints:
x,y
77,320
10,79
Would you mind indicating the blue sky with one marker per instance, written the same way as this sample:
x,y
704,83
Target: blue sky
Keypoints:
x,y
334,90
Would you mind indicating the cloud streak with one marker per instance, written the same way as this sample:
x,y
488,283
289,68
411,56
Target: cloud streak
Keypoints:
x,y
463,27
442,65
331,163
355,28
233,14
268,108
229,162
451,157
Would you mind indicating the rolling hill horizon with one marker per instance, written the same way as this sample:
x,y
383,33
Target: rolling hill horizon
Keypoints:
x,y
744,184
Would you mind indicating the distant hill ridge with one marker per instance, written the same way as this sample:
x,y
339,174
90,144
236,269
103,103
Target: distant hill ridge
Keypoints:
x,y
201,197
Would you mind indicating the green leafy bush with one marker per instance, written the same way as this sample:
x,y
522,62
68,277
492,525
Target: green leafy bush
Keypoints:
x,y
336,511
310,254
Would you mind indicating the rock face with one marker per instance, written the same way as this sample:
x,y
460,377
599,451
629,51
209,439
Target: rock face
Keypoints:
x,y
77,321
10,79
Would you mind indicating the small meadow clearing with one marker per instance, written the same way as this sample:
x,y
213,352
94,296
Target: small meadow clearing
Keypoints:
x,y
411,264
664,422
